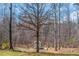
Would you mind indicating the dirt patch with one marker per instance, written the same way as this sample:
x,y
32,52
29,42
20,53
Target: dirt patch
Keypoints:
x,y
51,50
65,50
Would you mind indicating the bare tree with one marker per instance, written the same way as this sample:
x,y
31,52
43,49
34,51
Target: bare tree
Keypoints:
x,y
35,16
59,28
55,27
10,27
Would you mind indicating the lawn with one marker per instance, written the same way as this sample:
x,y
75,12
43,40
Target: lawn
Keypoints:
x,y
18,53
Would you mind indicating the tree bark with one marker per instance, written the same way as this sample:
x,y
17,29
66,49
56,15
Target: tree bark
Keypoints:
x,y
37,32
55,27
59,28
10,27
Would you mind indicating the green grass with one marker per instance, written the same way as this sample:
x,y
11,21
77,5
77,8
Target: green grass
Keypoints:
x,y
17,53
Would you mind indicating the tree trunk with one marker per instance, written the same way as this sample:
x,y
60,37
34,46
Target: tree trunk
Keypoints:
x,y
37,40
59,29
37,32
55,27
55,41
1,40
10,27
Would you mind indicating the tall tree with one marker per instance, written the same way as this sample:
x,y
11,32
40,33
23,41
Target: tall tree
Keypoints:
x,y
35,16
10,27
59,27
55,27
69,21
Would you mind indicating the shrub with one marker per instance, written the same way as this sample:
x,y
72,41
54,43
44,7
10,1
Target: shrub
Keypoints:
x,y
5,44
